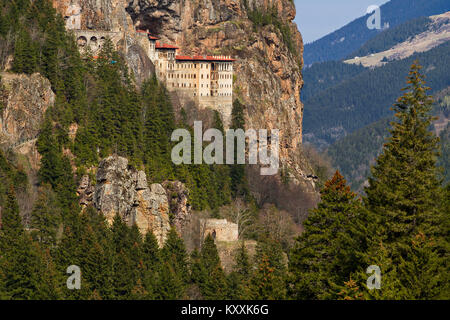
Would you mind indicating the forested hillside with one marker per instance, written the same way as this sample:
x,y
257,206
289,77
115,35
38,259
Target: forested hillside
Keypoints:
x,y
400,225
367,97
392,36
350,38
321,76
354,154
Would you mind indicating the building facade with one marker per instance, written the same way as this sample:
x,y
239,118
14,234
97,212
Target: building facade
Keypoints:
x,y
207,80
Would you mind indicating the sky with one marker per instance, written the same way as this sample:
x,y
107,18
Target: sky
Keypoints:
x,y
316,18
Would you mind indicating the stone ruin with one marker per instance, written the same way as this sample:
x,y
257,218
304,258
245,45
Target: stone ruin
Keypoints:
x,y
219,229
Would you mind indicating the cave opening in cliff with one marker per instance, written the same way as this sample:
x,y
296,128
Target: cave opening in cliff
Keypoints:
x,y
152,25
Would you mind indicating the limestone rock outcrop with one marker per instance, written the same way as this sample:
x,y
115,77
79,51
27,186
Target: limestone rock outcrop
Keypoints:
x,y
180,208
23,102
123,190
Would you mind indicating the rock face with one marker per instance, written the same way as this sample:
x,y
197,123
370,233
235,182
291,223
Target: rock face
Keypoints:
x,y
123,190
269,58
107,18
180,209
23,102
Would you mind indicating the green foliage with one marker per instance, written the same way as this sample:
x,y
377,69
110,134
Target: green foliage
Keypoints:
x,y
45,218
392,36
358,101
328,250
268,281
19,260
239,278
402,196
208,273
444,160
173,281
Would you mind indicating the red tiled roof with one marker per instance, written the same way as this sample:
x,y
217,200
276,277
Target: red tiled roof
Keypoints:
x,y
165,46
205,58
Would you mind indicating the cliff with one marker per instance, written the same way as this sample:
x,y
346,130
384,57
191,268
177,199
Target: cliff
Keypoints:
x,y
23,102
120,189
269,56
260,34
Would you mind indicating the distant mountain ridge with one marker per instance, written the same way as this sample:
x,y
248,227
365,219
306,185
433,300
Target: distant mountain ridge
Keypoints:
x,y
365,98
417,35
348,39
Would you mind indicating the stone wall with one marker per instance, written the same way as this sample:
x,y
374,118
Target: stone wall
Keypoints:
x,y
219,229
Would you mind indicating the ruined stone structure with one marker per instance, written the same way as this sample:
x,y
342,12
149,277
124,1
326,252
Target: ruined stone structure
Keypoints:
x,y
219,229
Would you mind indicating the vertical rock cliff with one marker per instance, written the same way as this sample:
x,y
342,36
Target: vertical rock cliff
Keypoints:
x,y
23,102
260,34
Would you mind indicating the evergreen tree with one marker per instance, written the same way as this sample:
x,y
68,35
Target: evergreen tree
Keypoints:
x,y
269,279
403,192
19,260
239,278
25,54
209,275
329,248
45,218
237,174
151,260
125,260
175,267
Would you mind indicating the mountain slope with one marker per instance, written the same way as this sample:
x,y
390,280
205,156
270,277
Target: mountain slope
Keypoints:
x,y
351,37
405,40
367,97
355,153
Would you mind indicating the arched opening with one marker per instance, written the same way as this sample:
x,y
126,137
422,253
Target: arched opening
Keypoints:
x,y
81,41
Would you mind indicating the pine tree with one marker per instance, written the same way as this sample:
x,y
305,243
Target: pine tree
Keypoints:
x,y
209,275
404,191
237,171
19,260
174,252
151,259
125,260
238,279
269,279
328,250
45,218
